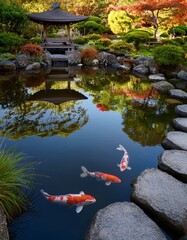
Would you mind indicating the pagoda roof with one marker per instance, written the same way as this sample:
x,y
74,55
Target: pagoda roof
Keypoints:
x,y
55,16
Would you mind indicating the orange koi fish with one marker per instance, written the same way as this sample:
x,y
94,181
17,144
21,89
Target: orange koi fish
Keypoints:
x,y
125,159
100,176
78,200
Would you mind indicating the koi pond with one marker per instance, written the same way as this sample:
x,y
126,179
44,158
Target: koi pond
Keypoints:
x,y
66,118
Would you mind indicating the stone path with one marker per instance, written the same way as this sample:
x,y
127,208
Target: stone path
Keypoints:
x,y
162,192
175,163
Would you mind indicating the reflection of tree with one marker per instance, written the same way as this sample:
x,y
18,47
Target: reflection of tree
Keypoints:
x,y
13,93
148,126
43,119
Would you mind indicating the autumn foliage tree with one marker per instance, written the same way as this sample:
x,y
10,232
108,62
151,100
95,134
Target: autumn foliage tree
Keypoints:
x,y
158,12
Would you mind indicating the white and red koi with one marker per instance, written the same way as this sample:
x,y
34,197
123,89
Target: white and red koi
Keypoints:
x,y
125,159
100,176
78,200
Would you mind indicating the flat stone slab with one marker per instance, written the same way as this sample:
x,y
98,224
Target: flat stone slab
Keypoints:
x,y
58,57
181,110
174,162
180,124
123,221
164,196
157,77
177,93
163,86
175,140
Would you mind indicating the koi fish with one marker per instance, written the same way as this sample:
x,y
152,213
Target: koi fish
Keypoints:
x,y
100,176
78,200
125,159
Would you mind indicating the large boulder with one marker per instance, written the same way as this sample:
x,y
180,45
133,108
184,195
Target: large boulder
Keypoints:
x,y
149,62
182,75
107,59
3,226
141,69
22,61
163,196
174,162
74,57
123,221
175,140
7,66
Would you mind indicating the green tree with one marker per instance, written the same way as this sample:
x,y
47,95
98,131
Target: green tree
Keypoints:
x,y
13,17
119,21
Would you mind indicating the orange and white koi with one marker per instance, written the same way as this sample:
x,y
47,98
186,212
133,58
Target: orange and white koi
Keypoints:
x,y
100,176
78,200
125,159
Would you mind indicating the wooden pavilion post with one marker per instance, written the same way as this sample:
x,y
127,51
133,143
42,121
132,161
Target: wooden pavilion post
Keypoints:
x,y
68,32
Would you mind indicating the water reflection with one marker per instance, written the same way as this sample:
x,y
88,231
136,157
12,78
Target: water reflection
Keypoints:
x,y
46,103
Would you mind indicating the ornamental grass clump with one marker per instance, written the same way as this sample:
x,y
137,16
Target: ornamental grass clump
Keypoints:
x,y
88,54
15,178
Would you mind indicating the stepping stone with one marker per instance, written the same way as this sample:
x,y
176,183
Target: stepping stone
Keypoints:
x,y
163,86
123,221
174,162
180,124
175,140
181,110
164,196
157,77
177,93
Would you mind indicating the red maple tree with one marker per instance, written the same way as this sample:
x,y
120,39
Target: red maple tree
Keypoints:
x,y
158,12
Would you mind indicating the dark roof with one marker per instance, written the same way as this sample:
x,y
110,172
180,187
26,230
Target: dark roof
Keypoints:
x,y
57,96
55,16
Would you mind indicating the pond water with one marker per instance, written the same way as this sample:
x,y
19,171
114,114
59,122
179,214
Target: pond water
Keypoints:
x,y
71,117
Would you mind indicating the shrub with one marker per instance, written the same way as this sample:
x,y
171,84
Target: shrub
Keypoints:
x,y
32,50
10,42
169,55
176,31
137,37
121,47
36,40
164,35
95,19
7,56
86,39
15,177
103,41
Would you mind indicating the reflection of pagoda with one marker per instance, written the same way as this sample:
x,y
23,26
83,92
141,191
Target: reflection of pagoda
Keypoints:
x,y
57,96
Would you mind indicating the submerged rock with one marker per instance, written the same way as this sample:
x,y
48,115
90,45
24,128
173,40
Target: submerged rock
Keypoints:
x,y
174,162
175,140
164,196
123,221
